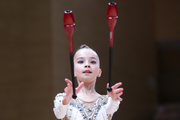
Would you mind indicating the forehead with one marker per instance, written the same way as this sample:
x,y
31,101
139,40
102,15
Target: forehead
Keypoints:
x,y
86,53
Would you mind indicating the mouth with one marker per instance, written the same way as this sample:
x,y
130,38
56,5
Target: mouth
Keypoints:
x,y
87,71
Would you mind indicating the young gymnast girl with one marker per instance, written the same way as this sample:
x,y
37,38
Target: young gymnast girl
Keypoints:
x,y
89,105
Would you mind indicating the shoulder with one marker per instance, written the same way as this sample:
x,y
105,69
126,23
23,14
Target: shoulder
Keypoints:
x,y
107,99
104,96
103,99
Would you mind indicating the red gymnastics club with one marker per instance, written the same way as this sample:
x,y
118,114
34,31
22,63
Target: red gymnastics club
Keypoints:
x,y
112,16
69,28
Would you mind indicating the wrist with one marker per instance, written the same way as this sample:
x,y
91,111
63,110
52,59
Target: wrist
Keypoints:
x,y
65,101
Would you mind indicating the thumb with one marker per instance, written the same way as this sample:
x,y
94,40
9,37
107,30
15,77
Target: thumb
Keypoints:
x,y
79,87
107,85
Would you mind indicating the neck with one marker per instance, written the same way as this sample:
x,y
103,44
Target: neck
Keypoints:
x,y
88,92
88,88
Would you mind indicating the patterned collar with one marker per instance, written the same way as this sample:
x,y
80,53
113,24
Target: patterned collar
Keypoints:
x,y
89,112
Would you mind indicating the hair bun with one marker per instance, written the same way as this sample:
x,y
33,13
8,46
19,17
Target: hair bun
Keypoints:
x,y
84,46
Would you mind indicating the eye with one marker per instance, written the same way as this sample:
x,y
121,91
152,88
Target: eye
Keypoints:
x,y
93,62
80,62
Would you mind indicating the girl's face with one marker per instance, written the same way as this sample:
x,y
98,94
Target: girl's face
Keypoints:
x,y
86,65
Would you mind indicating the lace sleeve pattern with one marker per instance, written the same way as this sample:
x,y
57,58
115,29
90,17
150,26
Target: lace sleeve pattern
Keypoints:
x,y
59,109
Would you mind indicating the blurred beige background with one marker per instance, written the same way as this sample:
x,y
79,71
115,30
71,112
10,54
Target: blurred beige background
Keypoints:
x,y
34,55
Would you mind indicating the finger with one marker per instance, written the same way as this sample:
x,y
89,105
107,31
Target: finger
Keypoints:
x,y
69,86
68,81
79,87
107,85
119,94
119,99
66,90
119,90
64,95
116,85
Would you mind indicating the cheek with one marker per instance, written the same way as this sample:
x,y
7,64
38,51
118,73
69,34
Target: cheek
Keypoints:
x,y
96,69
77,68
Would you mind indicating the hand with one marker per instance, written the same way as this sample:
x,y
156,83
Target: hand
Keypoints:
x,y
116,92
69,91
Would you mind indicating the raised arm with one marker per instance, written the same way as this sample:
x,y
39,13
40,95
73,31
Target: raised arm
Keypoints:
x,y
62,100
60,109
114,98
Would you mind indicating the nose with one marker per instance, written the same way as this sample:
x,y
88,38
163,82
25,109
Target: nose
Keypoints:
x,y
87,65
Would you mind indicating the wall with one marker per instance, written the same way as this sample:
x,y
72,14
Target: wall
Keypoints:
x,y
167,20
35,56
168,43
25,63
134,57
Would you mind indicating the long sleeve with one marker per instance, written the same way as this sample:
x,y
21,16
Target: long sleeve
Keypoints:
x,y
59,109
112,106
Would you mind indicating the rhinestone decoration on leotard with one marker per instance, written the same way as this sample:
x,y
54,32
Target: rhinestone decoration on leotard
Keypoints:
x,y
89,112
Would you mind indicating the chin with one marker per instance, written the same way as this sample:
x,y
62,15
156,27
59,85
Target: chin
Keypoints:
x,y
86,80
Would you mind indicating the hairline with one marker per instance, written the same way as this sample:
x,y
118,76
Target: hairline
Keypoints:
x,y
87,48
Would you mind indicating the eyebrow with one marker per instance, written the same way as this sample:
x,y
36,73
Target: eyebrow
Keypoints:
x,y
93,58
83,57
